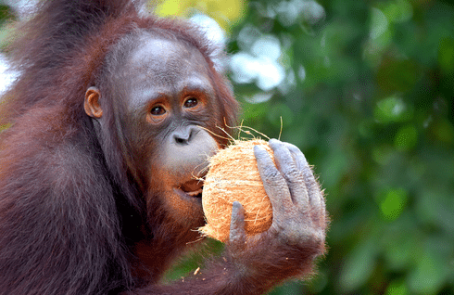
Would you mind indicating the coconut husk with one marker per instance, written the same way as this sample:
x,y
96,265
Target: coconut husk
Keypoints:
x,y
234,176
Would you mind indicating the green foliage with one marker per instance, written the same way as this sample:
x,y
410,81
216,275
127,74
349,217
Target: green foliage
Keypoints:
x,y
368,97
6,15
192,261
5,12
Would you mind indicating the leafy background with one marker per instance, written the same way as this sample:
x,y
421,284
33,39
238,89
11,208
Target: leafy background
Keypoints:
x,y
366,90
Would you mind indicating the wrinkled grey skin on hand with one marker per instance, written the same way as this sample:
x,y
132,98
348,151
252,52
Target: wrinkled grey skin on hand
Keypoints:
x,y
299,222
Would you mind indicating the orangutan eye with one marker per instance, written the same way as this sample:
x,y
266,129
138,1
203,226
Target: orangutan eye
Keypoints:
x,y
191,102
158,111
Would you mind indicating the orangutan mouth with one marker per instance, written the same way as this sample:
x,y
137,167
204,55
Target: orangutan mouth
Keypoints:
x,y
193,188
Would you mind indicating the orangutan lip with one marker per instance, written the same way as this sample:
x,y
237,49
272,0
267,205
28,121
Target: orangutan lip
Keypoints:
x,y
197,193
190,196
192,188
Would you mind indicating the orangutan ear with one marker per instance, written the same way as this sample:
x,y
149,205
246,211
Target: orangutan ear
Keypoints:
x,y
91,103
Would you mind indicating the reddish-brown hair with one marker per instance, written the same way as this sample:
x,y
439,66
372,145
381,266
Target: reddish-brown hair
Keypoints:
x,y
61,203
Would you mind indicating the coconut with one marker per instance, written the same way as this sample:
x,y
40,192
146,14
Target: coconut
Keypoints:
x,y
234,176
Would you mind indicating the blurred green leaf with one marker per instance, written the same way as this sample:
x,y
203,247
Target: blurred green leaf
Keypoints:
x,y
280,114
430,273
358,266
446,55
5,12
393,203
406,138
443,130
392,109
397,75
400,252
397,288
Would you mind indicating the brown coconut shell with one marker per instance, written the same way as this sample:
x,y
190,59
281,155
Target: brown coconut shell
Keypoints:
x,y
234,176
